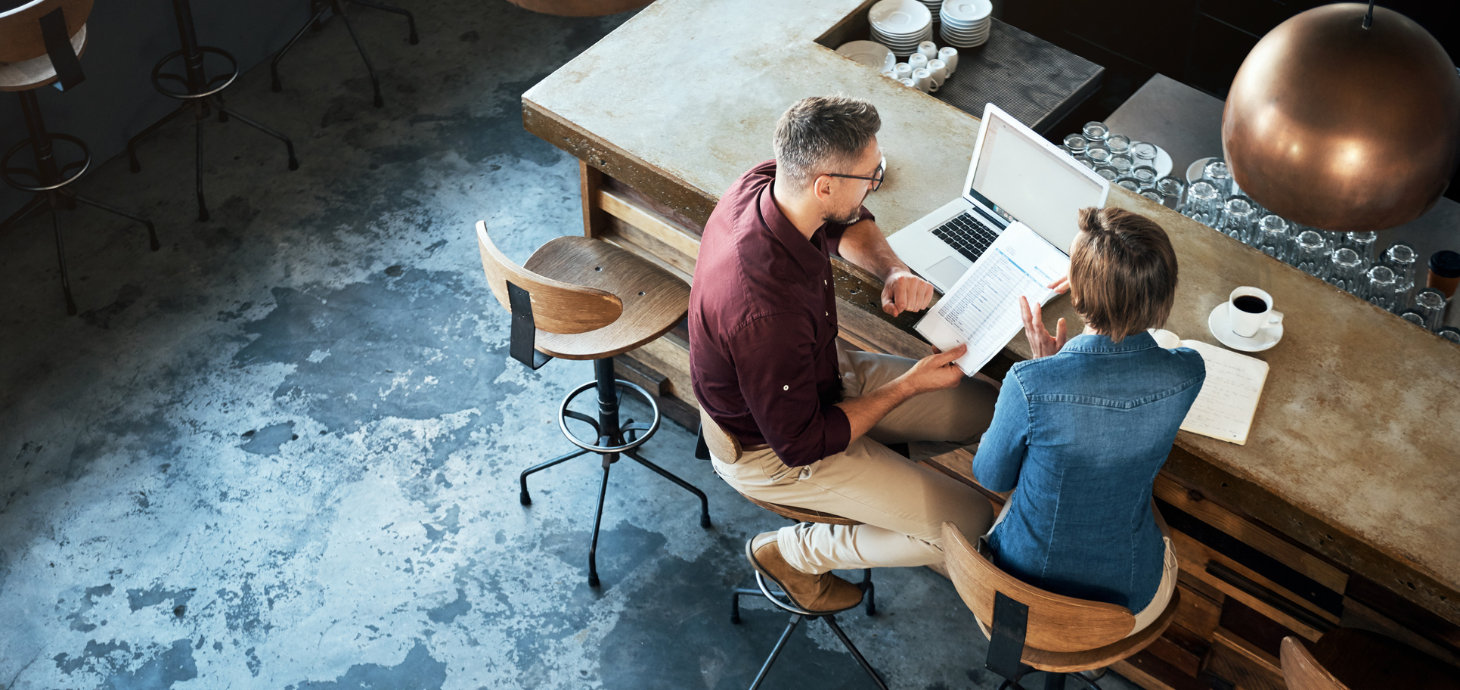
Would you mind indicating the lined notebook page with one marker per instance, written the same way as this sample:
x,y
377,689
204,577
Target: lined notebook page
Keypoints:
x,y
1228,399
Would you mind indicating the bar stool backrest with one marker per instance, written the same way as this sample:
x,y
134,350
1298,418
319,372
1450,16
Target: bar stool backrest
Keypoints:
x,y
20,28
1056,623
1302,671
721,444
557,307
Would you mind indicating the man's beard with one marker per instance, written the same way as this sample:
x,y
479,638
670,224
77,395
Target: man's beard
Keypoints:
x,y
848,218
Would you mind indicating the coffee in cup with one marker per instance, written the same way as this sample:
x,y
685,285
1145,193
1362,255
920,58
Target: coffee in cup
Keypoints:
x,y
1250,310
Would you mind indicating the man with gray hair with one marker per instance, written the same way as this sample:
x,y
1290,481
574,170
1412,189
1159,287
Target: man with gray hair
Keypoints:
x,y
813,419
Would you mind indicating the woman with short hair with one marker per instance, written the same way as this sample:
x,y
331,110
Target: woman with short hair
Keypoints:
x,y
1080,431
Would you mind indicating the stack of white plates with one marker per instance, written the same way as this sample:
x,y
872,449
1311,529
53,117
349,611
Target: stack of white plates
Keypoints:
x,y
901,25
933,5
966,23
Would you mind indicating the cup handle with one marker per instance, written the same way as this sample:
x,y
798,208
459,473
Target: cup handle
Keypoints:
x,y
1275,317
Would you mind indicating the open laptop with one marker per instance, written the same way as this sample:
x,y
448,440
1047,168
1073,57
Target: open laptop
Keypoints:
x,y
1015,176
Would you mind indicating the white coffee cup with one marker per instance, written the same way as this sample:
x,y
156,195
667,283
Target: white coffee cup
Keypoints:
x,y
903,70
939,72
909,83
917,61
1243,320
923,79
949,56
928,50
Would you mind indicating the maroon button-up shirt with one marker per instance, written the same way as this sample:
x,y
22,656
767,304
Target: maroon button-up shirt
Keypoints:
x,y
762,326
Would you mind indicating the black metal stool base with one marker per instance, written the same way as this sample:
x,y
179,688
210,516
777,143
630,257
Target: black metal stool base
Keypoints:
x,y
797,615
339,10
613,440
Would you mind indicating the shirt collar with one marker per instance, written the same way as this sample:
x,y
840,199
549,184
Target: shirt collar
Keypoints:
x,y
807,255
1100,343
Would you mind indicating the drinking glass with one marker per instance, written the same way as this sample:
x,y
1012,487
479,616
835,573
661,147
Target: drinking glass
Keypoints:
x,y
1075,145
1095,131
1450,333
1085,160
1144,153
1217,173
1129,183
1401,257
1097,151
1362,243
1122,162
1413,317
1430,303
1237,217
1153,195
1118,143
1106,171
1310,253
1381,290
1172,189
1203,203
1271,237
1146,174
1346,270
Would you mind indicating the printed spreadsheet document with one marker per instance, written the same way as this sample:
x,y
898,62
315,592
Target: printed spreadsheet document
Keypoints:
x,y
982,308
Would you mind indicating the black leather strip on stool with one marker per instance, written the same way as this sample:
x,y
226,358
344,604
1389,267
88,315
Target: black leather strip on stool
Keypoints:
x,y
40,44
199,94
580,298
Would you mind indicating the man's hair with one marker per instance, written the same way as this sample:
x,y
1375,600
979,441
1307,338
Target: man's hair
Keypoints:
x,y
822,134
1122,272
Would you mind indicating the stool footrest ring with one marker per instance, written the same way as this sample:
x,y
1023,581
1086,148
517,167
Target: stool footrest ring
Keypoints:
x,y
646,430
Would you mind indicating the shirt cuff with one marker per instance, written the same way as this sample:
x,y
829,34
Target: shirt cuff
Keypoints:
x,y
838,430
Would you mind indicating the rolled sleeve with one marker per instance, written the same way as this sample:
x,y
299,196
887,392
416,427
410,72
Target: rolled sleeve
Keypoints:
x,y
1003,448
835,231
775,358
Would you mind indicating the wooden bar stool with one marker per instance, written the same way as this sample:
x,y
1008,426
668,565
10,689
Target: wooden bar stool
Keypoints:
x,y
1036,630
318,8
200,95
714,439
1353,659
579,298
41,43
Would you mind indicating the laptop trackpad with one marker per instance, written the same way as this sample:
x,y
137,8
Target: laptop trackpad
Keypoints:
x,y
947,271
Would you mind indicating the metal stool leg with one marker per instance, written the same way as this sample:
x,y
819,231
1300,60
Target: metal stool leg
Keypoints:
x,y
831,621
522,479
870,590
35,203
289,145
61,254
132,143
274,64
198,163
704,502
151,229
1054,681
374,80
735,601
410,18
608,461
780,644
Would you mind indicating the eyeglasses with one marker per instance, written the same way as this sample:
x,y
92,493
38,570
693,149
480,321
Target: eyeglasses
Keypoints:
x,y
875,179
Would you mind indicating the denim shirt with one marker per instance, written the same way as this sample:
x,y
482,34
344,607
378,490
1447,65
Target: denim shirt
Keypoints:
x,y
1079,436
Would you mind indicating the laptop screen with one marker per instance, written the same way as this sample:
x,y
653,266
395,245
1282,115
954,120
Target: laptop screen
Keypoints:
x,y
1043,188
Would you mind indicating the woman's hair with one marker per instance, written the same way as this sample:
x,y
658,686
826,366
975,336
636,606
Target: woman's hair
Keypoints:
x,y
1122,272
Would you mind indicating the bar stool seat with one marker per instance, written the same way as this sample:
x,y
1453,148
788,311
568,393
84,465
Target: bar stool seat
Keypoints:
x,y
1353,659
1031,629
652,299
580,298
36,72
713,439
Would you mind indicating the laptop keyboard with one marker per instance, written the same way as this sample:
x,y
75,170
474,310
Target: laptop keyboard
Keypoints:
x,y
967,234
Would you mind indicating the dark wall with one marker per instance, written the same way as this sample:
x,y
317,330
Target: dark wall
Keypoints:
x,y
126,38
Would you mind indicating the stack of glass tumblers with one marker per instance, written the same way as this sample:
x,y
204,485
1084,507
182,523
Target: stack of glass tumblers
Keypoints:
x,y
1348,261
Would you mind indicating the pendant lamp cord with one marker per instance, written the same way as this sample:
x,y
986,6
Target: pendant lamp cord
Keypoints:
x,y
1369,18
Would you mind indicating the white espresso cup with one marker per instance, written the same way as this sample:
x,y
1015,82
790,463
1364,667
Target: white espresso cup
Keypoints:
x,y
917,61
903,70
949,56
923,79
928,50
1250,310
939,72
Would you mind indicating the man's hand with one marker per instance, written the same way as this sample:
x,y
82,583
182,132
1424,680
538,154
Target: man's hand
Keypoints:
x,y
1040,341
904,291
935,372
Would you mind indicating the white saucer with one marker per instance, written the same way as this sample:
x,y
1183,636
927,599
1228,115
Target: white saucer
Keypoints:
x,y
1221,329
1197,167
874,55
1163,163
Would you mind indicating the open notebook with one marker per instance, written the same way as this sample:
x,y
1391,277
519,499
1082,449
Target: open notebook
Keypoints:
x,y
1228,399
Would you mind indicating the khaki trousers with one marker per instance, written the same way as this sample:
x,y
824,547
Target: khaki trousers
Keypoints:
x,y
901,504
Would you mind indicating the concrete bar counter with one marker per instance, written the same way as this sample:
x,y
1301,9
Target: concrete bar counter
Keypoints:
x,y
1338,510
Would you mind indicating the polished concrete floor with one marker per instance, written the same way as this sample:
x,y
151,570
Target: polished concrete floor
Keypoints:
x,y
282,451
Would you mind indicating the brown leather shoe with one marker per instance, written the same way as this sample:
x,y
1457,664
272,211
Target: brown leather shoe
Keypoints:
x,y
825,593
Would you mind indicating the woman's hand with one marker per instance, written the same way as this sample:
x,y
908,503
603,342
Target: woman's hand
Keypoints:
x,y
1040,341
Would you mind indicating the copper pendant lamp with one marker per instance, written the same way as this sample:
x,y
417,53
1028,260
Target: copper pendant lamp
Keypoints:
x,y
1344,119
